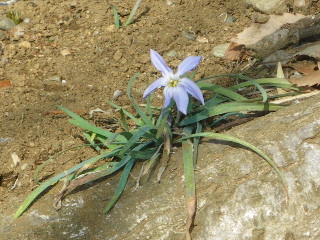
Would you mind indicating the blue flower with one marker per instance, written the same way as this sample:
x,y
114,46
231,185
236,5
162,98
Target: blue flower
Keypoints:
x,y
175,85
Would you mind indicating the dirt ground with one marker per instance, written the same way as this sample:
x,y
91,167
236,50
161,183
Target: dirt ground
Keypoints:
x,y
76,42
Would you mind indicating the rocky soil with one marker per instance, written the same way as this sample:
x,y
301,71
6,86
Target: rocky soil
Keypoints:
x,y
69,53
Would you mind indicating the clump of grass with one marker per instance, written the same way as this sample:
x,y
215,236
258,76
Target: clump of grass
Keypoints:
x,y
154,132
14,16
129,19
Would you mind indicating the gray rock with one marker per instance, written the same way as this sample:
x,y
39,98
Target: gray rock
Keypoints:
x,y
190,35
219,50
239,195
172,53
6,24
269,7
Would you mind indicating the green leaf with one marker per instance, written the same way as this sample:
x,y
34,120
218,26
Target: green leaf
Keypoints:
x,y
123,120
132,13
121,185
196,141
262,91
116,17
80,122
136,136
91,141
224,116
147,120
214,101
189,179
275,82
229,108
223,91
143,154
187,151
162,122
35,193
39,168
118,165
136,120
224,137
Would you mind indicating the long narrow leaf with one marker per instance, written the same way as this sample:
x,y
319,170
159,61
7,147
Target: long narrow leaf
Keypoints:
x,y
147,120
136,120
91,141
266,81
32,196
262,91
116,17
224,116
228,138
40,167
116,166
223,91
123,120
214,101
136,136
80,122
132,13
229,108
196,141
121,185
189,180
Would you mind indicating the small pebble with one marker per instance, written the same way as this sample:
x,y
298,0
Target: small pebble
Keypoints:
x,y
202,39
219,50
170,2
118,55
172,53
6,24
4,140
24,166
229,19
191,35
117,94
65,52
111,28
15,158
25,44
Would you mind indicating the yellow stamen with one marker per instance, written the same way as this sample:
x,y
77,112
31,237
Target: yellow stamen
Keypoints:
x,y
173,83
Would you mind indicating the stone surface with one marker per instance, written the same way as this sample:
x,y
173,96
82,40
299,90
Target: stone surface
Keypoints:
x,y
6,24
239,195
269,7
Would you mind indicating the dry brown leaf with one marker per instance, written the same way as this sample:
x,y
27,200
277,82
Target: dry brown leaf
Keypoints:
x,y
256,31
304,67
235,52
309,80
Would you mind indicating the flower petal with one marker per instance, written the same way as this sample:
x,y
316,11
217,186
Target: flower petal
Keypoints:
x,y
181,98
159,63
192,89
188,64
160,82
167,96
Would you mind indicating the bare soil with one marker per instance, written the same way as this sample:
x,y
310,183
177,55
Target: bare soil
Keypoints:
x,y
76,41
